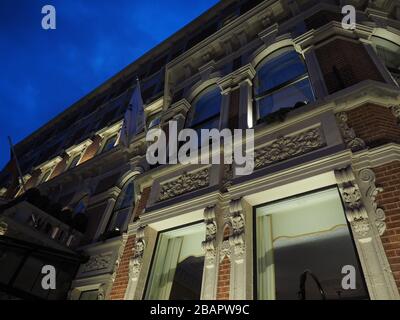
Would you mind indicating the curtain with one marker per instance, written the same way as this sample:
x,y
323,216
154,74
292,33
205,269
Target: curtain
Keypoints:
x,y
265,259
165,264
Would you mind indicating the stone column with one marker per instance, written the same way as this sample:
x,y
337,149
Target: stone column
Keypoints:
x,y
208,291
367,223
237,241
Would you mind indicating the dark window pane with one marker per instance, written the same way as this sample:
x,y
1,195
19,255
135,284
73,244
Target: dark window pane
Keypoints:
x,y
286,98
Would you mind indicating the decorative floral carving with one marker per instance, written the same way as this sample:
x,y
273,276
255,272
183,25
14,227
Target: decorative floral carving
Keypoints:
x,y
225,250
356,213
97,262
135,264
367,176
289,147
211,233
237,221
348,134
185,183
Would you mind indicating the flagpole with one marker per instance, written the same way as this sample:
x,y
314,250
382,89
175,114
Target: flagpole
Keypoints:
x,y
16,161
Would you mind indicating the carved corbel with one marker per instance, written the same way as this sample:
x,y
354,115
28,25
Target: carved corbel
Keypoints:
x,y
355,210
209,245
349,136
237,239
135,264
367,179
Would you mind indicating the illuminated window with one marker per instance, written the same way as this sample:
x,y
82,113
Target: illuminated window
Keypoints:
x,y
177,270
311,233
281,82
124,206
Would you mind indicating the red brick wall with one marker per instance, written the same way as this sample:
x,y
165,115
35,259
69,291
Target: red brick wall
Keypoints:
x,y
374,124
223,286
141,205
122,277
91,151
345,63
60,168
388,177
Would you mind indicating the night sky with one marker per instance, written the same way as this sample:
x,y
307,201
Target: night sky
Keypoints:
x,y
43,72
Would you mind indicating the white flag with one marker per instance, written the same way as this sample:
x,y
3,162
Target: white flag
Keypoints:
x,y
134,121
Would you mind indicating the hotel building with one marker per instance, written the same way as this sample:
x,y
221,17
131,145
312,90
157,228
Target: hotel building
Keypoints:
x,y
323,200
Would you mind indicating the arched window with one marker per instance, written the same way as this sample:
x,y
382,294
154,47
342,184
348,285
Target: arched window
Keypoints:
x,y
123,207
281,82
206,109
389,53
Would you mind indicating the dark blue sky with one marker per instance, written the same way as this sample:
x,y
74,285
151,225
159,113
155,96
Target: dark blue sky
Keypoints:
x,y
44,72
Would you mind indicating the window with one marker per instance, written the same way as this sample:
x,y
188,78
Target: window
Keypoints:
x,y
281,82
109,144
74,162
309,232
389,53
206,109
89,295
177,270
123,206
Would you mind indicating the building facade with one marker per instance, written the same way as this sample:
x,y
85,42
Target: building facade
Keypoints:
x,y
323,200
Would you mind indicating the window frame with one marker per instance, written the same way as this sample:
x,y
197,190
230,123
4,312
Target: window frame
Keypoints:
x,y
299,195
257,97
192,111
154,254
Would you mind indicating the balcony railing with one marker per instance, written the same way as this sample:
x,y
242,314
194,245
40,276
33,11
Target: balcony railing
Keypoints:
x,y
30,222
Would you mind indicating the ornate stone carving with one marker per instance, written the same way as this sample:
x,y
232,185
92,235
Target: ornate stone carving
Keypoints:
x,y
3,228
225,250
237,239
355,211
185,183
289,147
97,262
135,264
348,134
367,176
211,233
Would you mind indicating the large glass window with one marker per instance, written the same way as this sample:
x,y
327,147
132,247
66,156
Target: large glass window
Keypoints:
x,y
177,270
305,235
281,82
389,53
206,109
123,207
